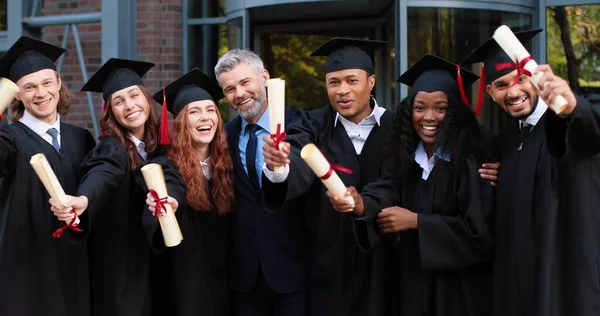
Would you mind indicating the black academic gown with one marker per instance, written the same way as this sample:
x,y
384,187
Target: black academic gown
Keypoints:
x,y
118,238
191,278
576,143
344,280
443,267
40,274
526,214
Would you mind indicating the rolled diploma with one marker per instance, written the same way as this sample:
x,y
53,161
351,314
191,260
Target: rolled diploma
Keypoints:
x,y
511,45
8,90
320,166
155,180
46,174
276,97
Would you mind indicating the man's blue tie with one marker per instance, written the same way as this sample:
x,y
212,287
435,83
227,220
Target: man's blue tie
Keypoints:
x,y
251,155
54,134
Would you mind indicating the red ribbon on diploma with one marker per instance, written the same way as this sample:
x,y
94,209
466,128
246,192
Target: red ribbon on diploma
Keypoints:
x,y
333,166
57,233
278,137
160,204
519,66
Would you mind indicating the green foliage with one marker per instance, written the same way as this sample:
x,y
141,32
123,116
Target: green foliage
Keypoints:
x,y
585,37
289,59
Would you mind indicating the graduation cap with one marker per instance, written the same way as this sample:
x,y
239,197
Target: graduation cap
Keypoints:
x,y
348,53
117,74
26,56
193,86
432,73
491,55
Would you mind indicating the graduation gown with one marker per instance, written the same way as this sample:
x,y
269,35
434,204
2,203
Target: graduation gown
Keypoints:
x,y
343,279
191,278
40,274
526,214
442,267
576,143
118,238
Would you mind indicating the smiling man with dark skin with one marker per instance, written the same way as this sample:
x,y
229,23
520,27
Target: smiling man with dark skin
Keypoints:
x,y
526,212
350,131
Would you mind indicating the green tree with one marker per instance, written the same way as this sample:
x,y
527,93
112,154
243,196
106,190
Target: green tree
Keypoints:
x,y
573,44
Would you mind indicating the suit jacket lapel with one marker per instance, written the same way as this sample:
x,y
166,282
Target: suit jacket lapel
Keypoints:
x,y
233,138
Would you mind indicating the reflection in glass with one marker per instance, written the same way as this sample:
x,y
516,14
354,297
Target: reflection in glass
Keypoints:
x,y
3,15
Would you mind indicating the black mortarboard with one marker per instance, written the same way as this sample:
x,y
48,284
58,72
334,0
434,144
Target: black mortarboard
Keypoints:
x,y
348,53
432,73
26,56
490,54
193,86
117,74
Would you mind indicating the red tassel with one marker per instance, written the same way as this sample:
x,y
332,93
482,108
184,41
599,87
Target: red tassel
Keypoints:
x,y
481,91
163,137
461,88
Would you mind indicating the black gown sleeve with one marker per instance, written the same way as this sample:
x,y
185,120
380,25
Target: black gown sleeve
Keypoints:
x,y
8,153
176,188
455,242
383,192
303,129
105,168
580,132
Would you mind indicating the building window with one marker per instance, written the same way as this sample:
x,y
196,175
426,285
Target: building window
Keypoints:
x,y
453,34
573,45
3,20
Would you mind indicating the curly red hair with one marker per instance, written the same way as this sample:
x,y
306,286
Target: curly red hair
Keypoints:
x,y
111,127
221,167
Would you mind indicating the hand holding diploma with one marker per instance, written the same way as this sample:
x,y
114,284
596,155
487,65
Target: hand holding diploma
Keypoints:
x,y
151,202
276,97
346,205
46,174
524,64
155,180
325,171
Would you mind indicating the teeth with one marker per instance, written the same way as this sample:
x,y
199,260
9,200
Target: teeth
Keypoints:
x,y
430,128
133,114
204,128
245,101
518,101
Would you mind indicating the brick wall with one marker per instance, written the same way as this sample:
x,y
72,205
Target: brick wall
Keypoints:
x,y
159,40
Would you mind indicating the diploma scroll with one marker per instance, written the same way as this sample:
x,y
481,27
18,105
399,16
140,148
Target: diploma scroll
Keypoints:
x,y
48,177
155,180
8,90
323,169
511,45
276,97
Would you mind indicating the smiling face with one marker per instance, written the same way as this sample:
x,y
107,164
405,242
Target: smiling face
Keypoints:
x,y
429,109
40,93
245,90
518,100
130,108
349,92
202,121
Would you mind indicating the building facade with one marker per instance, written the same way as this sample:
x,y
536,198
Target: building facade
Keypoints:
x,y
178,35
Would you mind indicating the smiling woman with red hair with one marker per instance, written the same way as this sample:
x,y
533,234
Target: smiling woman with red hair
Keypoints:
x,y
193,274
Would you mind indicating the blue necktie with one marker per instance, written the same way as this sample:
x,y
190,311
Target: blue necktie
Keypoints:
x,y
251,155
54,134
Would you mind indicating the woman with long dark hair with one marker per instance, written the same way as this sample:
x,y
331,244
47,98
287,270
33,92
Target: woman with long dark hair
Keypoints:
x,y
442,207
192,278
109,198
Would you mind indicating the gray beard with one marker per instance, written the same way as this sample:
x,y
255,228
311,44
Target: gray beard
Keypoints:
x,y
253,111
